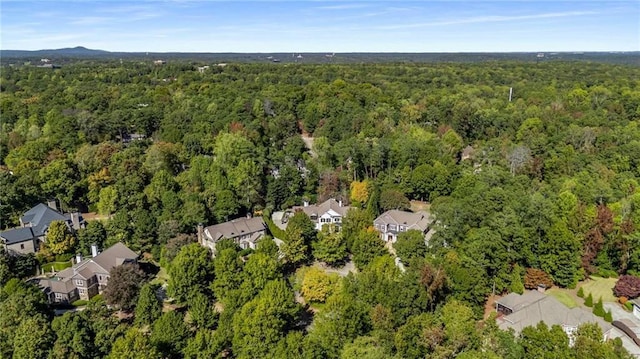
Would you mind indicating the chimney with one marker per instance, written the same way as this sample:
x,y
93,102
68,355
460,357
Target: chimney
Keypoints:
x,y
52,204
94,250
305,203
340,203
75,220
200,230
78,258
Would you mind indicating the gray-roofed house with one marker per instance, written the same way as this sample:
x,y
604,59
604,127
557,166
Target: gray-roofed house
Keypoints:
x,y
328,212
20,240
520,311
393,222
244,231
88,277
33,228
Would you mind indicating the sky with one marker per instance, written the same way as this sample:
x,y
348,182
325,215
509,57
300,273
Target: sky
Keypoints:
x,y
321,26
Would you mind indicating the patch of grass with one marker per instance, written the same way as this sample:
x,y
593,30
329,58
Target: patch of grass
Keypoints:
x,y
161,277
57,266
600,288
563,297
79,303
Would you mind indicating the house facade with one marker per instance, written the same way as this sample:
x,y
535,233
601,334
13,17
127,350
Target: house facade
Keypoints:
x,y
87,277
518,311
393,222
329,212
243,231
34,225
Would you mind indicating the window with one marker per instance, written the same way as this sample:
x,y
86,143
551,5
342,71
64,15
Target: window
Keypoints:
x,y
337,219
81,291
392,227
79,282
21,245
401,228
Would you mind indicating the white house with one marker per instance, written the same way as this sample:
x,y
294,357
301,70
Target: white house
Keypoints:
x,y
393,222
328,212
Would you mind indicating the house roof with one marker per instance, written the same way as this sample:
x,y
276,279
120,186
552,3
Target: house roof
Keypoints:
x,y
549,310
40,217
324,207
17,235
57,285
419,220
102,263
515,301
467,152
235,228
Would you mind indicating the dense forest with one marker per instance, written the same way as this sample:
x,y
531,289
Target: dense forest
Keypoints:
x,y
549,180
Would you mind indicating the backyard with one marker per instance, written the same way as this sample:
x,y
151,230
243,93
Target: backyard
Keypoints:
x,y
600,288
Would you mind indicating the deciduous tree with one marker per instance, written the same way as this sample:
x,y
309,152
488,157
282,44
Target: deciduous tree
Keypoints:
x,y
124,285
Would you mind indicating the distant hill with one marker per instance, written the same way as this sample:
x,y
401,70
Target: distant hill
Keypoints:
x,y
67,55
78,51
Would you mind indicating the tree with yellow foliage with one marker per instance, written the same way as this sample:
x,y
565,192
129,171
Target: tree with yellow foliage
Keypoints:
x,y
359,193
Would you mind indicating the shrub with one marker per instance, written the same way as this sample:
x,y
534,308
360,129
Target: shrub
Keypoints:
x,y
598,309
627,286
275,230
581,292
79,303
623,300
606,273
589,301
608,317
628,306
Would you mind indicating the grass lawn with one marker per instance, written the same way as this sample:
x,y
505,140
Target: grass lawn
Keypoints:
x,y
162,277
563,297
600,288
58,266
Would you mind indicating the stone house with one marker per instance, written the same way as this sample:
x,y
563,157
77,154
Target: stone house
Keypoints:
x,y
88,277
33,228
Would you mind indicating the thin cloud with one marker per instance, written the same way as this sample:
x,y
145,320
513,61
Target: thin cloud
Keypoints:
x,y
488,19
341,7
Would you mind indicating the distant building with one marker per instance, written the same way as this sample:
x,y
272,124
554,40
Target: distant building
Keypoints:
x,y
159,62
88,277
393,222
243,231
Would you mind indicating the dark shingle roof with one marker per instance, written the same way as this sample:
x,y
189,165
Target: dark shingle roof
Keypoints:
x,y
17,235
40,217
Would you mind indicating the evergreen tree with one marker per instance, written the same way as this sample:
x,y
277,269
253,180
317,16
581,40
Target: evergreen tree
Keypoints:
x,y
589,301
148,307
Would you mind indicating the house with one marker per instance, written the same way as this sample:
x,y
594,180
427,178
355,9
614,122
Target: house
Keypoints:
x,y
467,153
518,311
88,277
33,228
328,212
393,222
244,231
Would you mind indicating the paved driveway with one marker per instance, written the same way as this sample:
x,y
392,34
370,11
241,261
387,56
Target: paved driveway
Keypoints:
x,y
618,313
